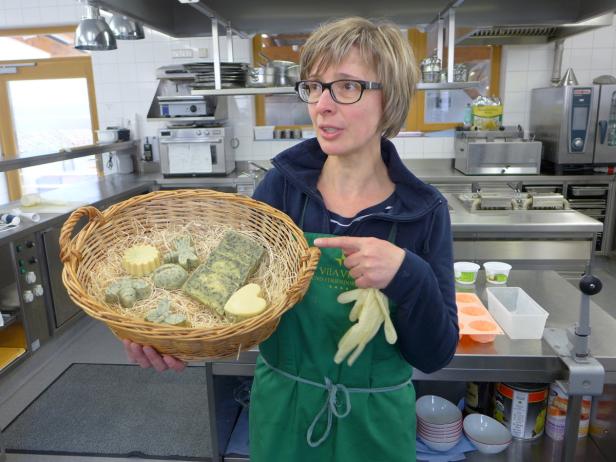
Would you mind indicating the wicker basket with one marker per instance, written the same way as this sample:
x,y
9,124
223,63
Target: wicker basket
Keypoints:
x,y
154,211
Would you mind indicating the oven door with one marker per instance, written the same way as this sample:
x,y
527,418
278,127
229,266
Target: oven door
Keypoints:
x,y
193,158
605,144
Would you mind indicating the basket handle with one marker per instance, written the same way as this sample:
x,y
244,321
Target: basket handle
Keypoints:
x,y
67,228
311,258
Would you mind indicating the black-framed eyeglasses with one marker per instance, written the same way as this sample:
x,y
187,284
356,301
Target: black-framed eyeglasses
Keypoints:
x,y
343,91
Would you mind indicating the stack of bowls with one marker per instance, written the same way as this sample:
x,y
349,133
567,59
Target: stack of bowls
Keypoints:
x,y
439,422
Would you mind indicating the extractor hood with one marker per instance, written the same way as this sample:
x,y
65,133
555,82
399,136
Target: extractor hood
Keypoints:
x,y
548,18
527,34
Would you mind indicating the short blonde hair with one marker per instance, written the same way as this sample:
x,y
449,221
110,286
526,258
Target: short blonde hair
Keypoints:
x,y
382,46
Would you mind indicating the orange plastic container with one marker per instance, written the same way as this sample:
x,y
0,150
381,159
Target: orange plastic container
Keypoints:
x,y
475,320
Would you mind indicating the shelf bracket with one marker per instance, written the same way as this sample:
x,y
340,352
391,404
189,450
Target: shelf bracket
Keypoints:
x,y
450,13
216,52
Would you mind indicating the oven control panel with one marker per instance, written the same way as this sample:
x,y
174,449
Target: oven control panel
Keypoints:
x,y
27,257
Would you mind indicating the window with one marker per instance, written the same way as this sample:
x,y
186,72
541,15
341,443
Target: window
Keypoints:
x,y
444,109
46,104
281,110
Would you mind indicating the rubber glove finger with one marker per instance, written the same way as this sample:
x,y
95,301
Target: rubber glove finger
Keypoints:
x,y
359,305
348,342
356,353
349,296
390,332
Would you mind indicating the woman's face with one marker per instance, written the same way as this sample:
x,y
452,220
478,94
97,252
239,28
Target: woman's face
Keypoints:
x,y
347,129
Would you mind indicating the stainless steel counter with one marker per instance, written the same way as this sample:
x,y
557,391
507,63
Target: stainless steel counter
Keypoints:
x,y
105,191
555,222
548,236
506,359
436,171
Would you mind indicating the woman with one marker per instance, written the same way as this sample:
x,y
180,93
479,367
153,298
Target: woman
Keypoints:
x,y
352,196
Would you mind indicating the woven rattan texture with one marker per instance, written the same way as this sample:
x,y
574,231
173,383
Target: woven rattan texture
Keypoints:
x,y
82,252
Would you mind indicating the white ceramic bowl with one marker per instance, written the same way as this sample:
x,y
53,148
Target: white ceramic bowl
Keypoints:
x,y
437,446
107,136
487,434
465,272
435,410
497,272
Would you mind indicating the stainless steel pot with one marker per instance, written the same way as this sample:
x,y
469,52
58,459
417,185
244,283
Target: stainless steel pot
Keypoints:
x,y
262,76
281,78
292,74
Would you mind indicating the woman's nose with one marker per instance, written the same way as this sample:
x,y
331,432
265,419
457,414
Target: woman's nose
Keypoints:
x,y
325,102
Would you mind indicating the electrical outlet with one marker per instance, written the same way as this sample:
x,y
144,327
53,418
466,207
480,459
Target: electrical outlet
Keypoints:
x,y
202,52
182,53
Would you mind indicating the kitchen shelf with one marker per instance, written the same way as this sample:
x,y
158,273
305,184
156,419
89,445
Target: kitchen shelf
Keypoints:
x,y
9,354
291,90
65,154
8,320
245,91
181,120
448,85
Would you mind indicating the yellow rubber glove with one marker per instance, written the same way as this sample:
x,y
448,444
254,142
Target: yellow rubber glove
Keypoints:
x,y
371,309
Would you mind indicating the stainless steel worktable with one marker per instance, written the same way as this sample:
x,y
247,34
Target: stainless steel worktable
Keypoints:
x,y
555,222
506,359
100,193
435,171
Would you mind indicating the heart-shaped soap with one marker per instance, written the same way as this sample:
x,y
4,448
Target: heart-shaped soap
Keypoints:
x,y
245,302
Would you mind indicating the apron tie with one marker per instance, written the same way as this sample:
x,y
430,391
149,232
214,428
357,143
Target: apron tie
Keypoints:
x,y
332,409
331,402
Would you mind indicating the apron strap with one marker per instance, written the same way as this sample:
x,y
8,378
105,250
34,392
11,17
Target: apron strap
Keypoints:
x,y
332,403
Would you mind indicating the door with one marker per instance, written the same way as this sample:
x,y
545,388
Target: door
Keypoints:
x,y
63,308
605,144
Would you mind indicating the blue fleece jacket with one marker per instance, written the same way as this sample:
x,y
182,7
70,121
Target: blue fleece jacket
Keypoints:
x,y
423,288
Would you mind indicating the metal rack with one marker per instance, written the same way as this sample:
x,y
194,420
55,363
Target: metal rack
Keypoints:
x,y
66,154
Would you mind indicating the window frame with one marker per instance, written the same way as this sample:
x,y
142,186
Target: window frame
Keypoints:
x,y
48,68
416,119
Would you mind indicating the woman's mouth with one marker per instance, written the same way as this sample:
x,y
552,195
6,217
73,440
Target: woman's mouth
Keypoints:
x,y
329,133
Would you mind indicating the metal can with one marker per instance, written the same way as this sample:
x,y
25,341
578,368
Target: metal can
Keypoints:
x,y
603,409
522,408
479,397
558,401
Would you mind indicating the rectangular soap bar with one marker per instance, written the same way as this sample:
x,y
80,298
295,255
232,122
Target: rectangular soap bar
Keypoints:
x,y
226,269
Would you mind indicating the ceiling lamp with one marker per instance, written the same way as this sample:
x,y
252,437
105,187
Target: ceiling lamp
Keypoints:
x,y
93,33
124,28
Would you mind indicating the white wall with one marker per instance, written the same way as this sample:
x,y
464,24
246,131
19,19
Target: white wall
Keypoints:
x,y
526,67
125,82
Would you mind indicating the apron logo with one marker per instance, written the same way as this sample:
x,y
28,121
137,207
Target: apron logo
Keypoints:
x,y
332,272
340,259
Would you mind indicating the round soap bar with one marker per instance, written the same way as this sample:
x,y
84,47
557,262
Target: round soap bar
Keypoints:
x,y
140,260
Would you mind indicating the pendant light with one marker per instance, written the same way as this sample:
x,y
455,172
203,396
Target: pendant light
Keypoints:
x,y
124,28
93,33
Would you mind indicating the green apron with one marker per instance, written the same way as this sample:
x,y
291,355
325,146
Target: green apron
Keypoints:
x,y
306,408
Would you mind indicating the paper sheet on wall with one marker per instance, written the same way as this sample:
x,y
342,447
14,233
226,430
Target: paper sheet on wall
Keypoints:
x,y
190,158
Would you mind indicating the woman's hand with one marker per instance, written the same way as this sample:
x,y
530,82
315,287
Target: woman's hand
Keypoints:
x,y
372,262
147,356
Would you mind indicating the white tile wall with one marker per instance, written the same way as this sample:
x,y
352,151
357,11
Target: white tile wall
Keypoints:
x,y
125,84
525,67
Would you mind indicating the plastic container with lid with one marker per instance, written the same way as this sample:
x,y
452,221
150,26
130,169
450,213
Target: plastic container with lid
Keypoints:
x,y
516,312
465,272
497,272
